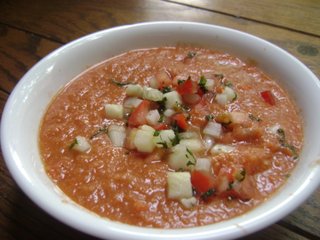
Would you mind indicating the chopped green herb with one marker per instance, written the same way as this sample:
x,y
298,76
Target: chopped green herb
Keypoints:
x,y
175,140
166,89
230,186
283,142
120,84
254,118
162,105
180,81
190,163
202,83
240,175
156,133
191,154
75,141
182,107
209,117
191,54
100,131
161,119
235,96
208,194
164,144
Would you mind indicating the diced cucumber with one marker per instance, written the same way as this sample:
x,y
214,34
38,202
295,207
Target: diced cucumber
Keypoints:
x,y
164,139
213,129
152,94
193,144
114,111
81,144
153,117
117,135
181,158
143,141
173,99
179,185
134,90
203,164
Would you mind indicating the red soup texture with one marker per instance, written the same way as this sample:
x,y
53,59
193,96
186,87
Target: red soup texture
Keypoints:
x,y
171,137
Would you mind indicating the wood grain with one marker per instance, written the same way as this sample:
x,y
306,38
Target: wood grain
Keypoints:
x,y
296,15
19,51
64,21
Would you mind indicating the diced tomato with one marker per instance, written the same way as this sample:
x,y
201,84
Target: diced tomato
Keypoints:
x,y
268,97
202,181
161,126
180,120
191,99
138,116
186,87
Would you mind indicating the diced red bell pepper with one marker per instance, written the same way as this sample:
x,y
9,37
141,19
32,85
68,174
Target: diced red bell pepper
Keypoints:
x,y
138,116
268,97
202,181
180,120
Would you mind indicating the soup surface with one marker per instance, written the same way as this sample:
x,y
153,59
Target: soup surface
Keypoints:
x,y
171,137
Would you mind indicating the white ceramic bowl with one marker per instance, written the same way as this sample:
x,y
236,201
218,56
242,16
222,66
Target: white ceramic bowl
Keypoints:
x,y
28,101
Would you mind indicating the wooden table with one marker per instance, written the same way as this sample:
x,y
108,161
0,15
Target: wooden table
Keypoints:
x,y
29,30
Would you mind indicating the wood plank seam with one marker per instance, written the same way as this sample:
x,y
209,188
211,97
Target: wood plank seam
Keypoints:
x,y
244,18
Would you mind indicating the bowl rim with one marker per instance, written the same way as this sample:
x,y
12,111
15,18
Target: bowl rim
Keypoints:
x,y
203,232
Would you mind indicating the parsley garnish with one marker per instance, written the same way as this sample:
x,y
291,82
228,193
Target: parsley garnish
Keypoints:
x,y
240,175
228,84
180,81
283,142
156,133
193,161
100,131
191,54
209,117
162,106
208,194
254,118
202,83
75,141
166,89
120,84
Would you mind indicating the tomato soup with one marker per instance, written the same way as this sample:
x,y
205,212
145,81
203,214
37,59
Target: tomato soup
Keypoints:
x,y
171,137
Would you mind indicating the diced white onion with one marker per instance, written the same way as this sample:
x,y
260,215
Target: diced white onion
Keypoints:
x,y
117,135
230,93
213,129
152,94
81,144
114,111
153,117
134,90
203,164
179,185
